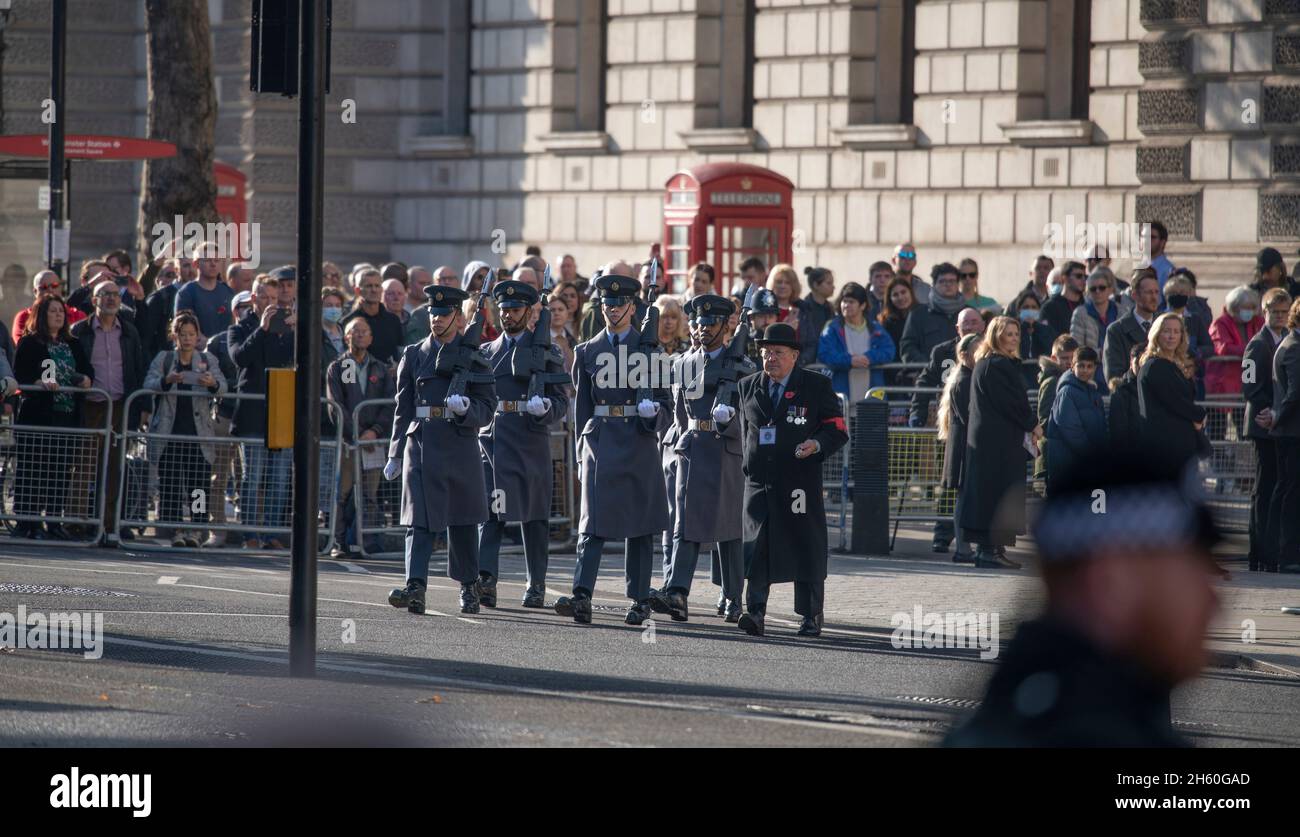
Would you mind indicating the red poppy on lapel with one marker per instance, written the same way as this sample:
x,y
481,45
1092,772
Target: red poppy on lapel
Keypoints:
x,y
789,394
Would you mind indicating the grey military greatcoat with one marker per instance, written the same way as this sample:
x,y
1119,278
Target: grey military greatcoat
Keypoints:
x,y
442,472
623,494
710,481
516,446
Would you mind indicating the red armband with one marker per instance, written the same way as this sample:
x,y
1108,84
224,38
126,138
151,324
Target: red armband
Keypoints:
x,y
838,421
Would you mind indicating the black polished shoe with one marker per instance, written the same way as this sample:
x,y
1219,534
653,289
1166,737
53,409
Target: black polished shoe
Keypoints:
x,y
57,532
963,557
733,612
811,626
410,597
638,613
577,606
470,595
992,560
751,623
659,601
940,544
487,590
1289,568
534,597
676,601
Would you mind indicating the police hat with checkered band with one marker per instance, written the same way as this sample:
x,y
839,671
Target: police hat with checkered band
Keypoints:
x,y
513,294
444,299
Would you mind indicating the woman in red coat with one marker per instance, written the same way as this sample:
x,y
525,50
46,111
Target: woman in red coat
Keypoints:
x,y
1240,321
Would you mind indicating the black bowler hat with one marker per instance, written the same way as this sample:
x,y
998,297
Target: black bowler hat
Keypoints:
x,y
444,299
512,294
779,334
617,290
709,308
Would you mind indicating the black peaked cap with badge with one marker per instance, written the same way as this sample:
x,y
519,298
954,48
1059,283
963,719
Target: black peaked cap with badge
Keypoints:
x,y
444,299
708,308
612,287
513,294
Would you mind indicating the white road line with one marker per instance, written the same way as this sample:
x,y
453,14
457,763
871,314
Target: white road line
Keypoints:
x,y
168,579
354,568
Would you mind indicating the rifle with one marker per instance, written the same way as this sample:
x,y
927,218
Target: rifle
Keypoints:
x,y
457,362
650,330
531,361
735,359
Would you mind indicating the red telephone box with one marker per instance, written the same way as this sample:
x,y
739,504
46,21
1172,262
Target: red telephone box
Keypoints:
x,y
723,213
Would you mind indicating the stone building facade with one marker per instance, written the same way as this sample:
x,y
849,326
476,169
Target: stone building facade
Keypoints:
x,y
964,126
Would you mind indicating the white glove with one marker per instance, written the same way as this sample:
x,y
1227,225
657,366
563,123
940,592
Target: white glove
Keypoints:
x,y
538,406
723,413
392,469
458,404
647,409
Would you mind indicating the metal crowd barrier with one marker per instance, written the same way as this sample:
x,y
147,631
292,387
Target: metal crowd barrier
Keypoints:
x,y
915,467
53,475
181,485
378,504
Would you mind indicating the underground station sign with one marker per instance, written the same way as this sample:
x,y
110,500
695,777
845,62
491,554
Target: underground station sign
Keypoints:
x,y
87,147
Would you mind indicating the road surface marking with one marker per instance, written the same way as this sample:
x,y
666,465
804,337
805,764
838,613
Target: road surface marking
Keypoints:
x,y
168,579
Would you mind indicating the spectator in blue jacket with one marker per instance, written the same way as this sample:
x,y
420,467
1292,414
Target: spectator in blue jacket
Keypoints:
x,y
1077,426
851,344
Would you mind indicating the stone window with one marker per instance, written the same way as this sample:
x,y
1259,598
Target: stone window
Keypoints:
x,y
578,84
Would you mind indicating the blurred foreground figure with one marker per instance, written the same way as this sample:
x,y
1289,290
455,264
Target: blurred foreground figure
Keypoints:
x,y
1125,552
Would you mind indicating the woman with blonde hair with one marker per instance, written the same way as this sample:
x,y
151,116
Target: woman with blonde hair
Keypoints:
x,y
1171,419
783,282
993,481
674,337
954,417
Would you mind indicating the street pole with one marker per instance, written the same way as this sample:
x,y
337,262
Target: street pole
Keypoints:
x,y
306,422
58,68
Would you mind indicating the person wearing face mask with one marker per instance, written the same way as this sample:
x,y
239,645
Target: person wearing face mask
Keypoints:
x,y
1036,336
331,313
1178,296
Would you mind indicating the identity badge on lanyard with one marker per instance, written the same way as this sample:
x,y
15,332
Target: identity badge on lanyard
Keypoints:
x,y
767,435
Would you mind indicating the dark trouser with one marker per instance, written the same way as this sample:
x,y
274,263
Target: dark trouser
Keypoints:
x,y
1263,519
45,460
963,548
809,596
686,556
638,554
182,470
462,553
1287,499
536,549
943,527
93,415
